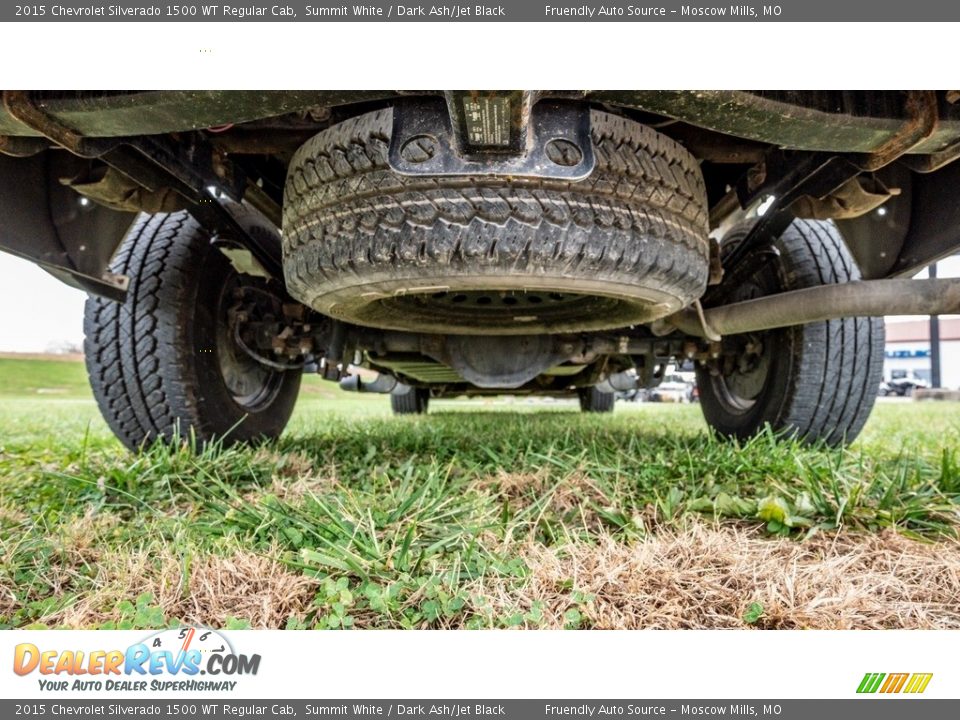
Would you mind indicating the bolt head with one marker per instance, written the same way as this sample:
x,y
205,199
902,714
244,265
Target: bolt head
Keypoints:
x,y
419,149
563,152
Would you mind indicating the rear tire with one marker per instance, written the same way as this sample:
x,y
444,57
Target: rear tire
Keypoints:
x,y
596,401
816,382
162,364
414,401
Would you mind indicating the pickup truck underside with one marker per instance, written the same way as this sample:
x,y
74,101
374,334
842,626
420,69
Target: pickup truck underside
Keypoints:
x,y
471,242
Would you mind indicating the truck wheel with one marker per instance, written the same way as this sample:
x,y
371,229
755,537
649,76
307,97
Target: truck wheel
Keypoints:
x,y
495,255
409,401
163,364
596,401
817,382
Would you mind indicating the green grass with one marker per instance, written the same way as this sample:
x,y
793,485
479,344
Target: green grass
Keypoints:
x,y
55,378
398,518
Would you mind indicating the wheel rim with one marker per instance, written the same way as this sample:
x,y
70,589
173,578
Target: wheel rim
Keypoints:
x,y
501,310
252,385
740,390
747,363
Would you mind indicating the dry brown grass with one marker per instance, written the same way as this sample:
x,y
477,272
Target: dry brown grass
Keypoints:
x,y
573,496
701,577
214,588
10,514
566,493
706,577
73,555
294,476
197,588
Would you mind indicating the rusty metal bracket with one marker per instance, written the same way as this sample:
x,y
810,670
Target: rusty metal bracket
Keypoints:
x,y
750,266
921,106
934,161
708,332
22,107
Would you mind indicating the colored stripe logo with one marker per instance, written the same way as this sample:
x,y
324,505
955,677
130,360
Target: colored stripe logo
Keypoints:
x,y
913,683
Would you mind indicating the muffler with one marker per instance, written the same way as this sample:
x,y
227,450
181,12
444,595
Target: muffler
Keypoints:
x,y
619,382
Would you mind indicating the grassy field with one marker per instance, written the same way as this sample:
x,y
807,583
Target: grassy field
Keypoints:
x,y
482,514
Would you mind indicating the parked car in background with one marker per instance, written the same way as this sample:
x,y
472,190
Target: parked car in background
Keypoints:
x,y
903,385
677,387
634,395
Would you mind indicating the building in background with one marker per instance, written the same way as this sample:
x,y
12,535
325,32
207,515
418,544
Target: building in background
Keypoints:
x,y
908,350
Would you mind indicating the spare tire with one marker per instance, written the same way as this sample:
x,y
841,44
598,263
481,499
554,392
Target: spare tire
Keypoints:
x,y
495,255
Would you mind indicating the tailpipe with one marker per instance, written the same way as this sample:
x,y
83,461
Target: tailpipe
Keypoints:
x,y
379,384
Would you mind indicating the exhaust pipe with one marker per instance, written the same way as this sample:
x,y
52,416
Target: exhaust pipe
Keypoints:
x,y
864,298
379,384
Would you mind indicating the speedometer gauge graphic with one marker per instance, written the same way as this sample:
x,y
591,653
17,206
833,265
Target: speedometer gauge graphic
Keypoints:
x,y
181,640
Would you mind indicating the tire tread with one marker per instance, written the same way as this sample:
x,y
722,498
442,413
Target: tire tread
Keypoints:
x,y
641,217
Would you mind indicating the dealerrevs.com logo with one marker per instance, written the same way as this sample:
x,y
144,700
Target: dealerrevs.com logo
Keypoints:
x,y
169,660
910,683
